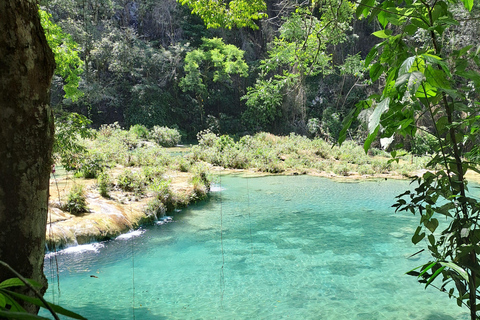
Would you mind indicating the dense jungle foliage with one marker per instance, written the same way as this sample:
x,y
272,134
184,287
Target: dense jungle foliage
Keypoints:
x,y
154,63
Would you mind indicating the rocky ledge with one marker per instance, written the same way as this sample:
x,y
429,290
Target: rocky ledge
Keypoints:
x,y
107,218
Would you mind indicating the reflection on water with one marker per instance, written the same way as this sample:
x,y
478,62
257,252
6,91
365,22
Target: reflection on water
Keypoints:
x,y
261,248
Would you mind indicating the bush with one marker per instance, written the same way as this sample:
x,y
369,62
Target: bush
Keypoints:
x,y
423,143
155,209
104,184
140,131
206,138
165,137
68,132
201,179
131,181
181,164
91,165
152,172
162,191
342,169
76,202
107,130
224,142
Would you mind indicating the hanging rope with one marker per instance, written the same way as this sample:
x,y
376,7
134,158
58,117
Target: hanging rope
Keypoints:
x,y
222,275
249,219
54,272
133,273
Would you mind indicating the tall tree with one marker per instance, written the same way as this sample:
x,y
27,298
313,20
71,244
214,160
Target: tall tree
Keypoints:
x,y
424,78
26,135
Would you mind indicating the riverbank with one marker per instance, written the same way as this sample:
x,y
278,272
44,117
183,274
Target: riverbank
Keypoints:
x,y
122,212
137,181
119,212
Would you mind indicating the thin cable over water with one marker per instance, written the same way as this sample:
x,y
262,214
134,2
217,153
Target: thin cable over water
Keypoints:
x,y
249,219
133,276
222,275
54,272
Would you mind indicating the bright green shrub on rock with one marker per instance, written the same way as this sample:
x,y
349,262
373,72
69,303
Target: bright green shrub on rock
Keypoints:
x,y
76,202
131,181
140,131
104,184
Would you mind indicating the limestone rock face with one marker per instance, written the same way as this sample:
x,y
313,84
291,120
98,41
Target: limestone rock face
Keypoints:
x,y
106,218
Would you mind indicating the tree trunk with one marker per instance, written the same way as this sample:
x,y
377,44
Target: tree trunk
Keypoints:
x,y
26,138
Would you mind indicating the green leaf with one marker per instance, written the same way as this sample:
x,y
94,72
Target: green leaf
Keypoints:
x,y
13,282
54,307
364,7
434,276
417,237
371,137
19,315
16,282
430,266
471,75
374,119
426,91
373,53
419,23
411,29
436,78
347,122
376,71
15,306
458,269
382,34
445,209
406,65
382,18
413,80
468,4
3,301
431,224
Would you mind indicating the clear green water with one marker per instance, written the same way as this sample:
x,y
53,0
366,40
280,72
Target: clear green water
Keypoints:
x,y
262,248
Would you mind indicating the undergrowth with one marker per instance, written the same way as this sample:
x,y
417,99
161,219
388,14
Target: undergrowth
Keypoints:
x,y
274,154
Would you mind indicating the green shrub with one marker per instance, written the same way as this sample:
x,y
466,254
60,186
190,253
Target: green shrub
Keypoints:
x,y
165,137
153,172
76,202
381,165
68,132
224,142
139,131
342,169
365,169
107,130
91,165
155,209
201,179
423,143
181,164
104,184
163,193
131,182
206,138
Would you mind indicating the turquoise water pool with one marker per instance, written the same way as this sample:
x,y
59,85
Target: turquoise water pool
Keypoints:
x,y
274,247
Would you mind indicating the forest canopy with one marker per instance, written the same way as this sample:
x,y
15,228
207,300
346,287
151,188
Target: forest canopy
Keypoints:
x,y
296,68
